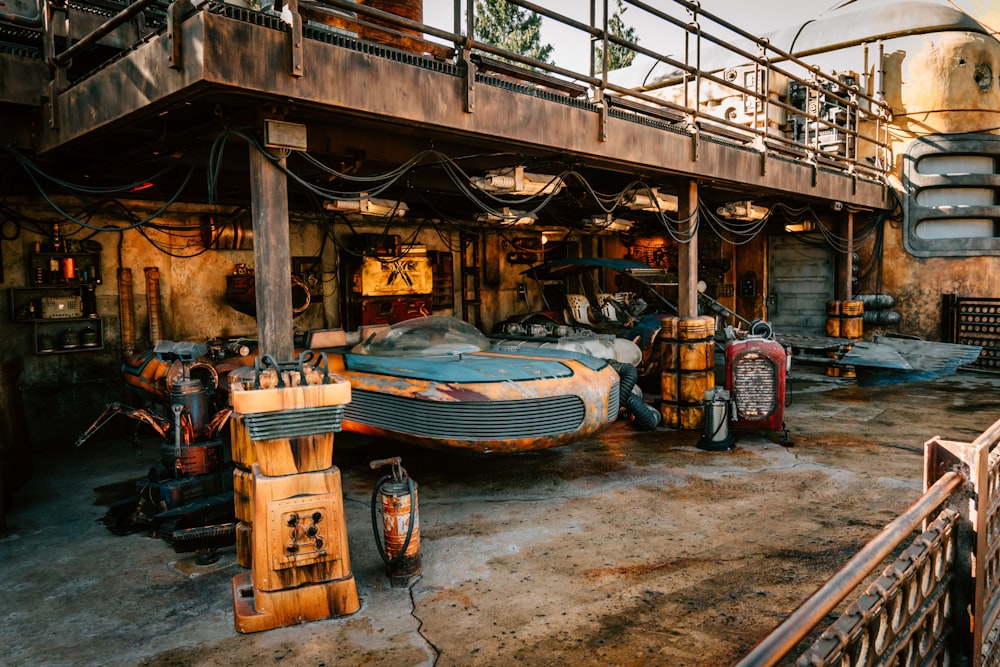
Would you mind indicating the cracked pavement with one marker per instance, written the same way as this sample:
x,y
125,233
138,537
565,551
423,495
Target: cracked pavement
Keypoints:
x,y
632,548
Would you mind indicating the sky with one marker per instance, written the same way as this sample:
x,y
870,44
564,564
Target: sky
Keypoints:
x,y
571,47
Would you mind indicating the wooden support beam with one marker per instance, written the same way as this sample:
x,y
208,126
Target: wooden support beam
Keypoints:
x,y
272,256
687,252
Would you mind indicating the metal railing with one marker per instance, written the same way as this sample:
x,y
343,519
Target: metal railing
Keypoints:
x,y
938,603
840,125
769,101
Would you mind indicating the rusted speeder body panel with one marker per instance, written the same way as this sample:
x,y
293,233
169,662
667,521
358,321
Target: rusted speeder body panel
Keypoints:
x,y
436,382
483,402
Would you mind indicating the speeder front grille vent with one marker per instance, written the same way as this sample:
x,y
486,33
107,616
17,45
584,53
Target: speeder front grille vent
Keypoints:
x,y
754,387
488,420
614,401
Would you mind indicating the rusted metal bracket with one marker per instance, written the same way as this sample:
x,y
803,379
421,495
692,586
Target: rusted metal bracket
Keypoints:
x,y
469,79
289,12
176,13
296,37
758,144
56,11
56,86
602,120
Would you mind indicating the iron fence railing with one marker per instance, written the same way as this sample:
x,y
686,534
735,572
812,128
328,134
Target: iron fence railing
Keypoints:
x,y
774,102
938,603
832,120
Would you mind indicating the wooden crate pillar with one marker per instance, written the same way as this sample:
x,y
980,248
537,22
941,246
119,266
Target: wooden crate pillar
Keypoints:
x,y
289,502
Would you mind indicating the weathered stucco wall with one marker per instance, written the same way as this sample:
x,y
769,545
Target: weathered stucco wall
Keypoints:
x,y
64,392
939,84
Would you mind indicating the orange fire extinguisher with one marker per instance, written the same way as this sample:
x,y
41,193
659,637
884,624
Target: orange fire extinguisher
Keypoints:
x,y
395,495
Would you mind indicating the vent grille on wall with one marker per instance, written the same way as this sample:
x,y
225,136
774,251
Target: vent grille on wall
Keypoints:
x,y
952,188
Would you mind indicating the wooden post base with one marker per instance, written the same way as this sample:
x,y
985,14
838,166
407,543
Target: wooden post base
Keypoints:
x,y
255,610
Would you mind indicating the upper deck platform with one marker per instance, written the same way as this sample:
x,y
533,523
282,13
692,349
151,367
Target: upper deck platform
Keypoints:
x,y
204,71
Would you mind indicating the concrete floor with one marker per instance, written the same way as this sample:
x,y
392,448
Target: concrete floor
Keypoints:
x,y
629,549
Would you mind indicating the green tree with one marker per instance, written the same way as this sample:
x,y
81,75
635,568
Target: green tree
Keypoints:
x,y
618,56
509,27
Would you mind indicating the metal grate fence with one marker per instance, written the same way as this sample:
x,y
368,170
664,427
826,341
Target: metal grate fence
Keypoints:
x,y
938,603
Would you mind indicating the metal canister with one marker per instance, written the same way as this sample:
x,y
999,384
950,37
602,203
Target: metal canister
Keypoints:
x,y
68,269
70,339
88,337
45,343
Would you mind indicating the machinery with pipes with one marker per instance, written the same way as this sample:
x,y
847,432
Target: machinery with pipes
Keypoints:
x,y
186,498
390,283
616,326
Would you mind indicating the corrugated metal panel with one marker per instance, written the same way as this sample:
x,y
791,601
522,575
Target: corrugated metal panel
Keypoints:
x,y
800,282
488,420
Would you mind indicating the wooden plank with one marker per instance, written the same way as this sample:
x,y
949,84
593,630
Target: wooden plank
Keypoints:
x,y
281,456
255,610
244,544
687,252
243,494
250,401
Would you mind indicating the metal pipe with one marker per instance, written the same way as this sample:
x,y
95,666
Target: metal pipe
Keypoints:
x,y
989,437
63,59
126,311
794,629
153,304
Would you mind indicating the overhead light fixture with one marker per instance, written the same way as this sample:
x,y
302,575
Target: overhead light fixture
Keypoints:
x,y
367,206
804,226
554,235
649,199
507,217
517,182
742,210
607,223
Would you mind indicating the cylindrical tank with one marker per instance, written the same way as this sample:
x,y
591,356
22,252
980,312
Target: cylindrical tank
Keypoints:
x,y
688,370
395,498
153,304
190,393
852,322
833,320
125,310
715,436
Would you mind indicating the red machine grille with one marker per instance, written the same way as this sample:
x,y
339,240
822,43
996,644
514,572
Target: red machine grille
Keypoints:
x,y
755,378
754,385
